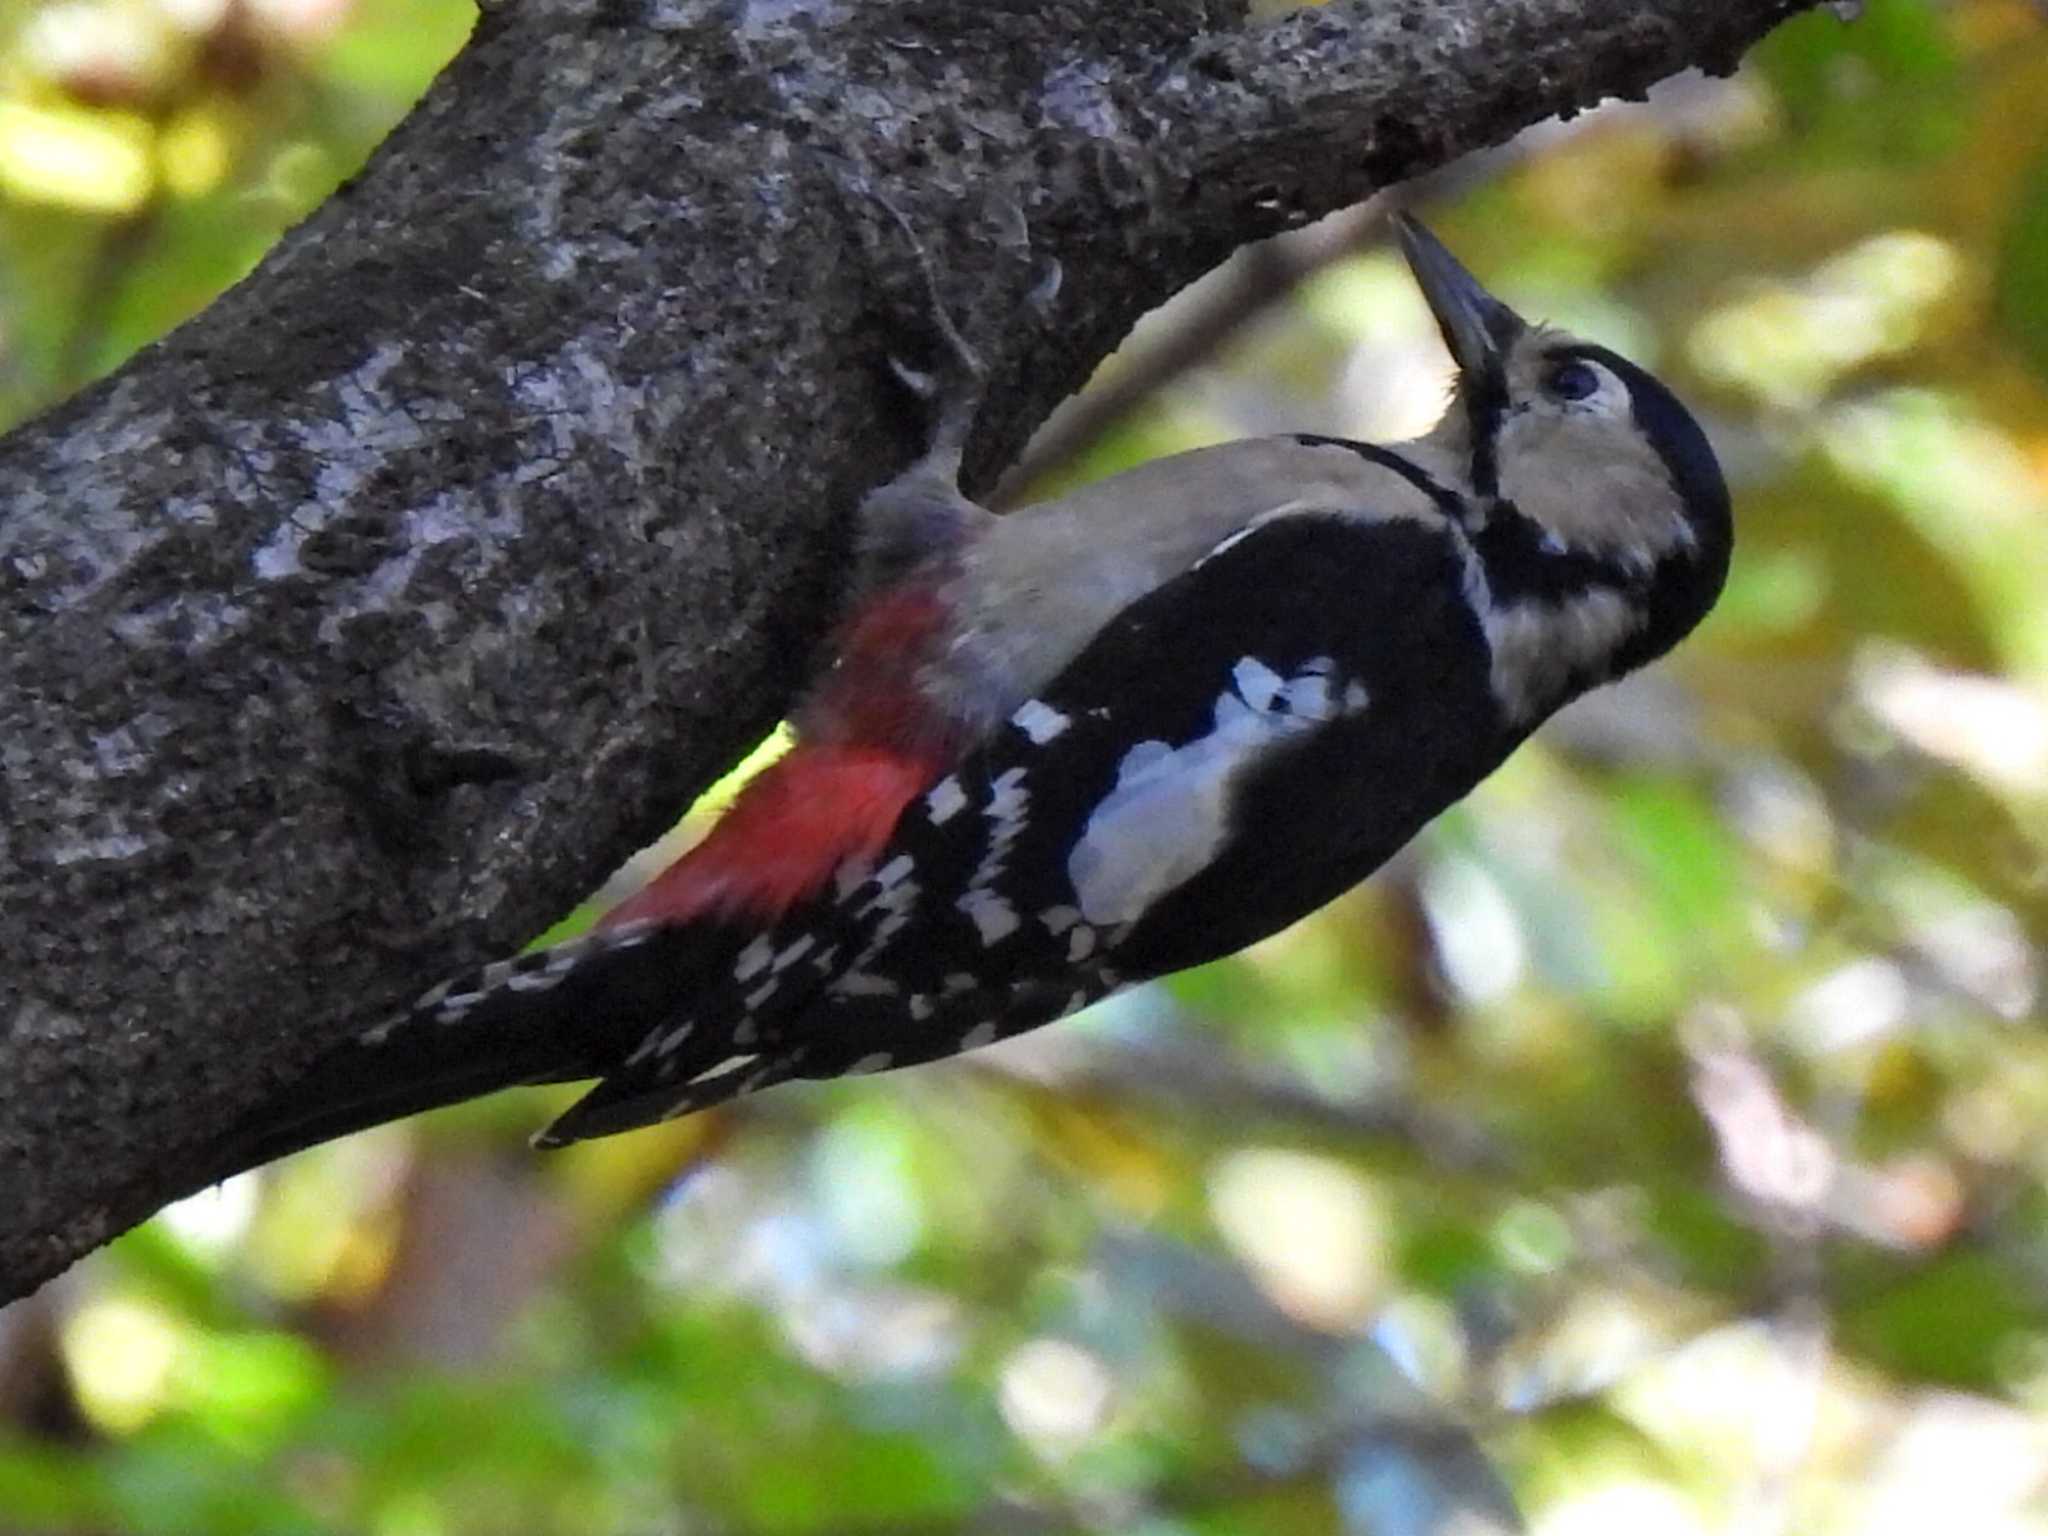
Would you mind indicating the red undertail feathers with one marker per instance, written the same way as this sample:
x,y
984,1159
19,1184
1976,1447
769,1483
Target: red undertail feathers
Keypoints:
x,y
869,744
786,834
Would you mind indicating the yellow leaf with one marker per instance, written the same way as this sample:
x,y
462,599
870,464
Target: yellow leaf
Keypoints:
x,y
97,161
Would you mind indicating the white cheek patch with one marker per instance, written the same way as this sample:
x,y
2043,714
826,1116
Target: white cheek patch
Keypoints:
x,y
1595,487
1169,815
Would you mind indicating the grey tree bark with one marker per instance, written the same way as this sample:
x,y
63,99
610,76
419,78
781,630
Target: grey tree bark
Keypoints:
x,y
356,629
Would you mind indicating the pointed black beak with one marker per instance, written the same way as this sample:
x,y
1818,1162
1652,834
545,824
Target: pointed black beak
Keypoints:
x,y
1477,327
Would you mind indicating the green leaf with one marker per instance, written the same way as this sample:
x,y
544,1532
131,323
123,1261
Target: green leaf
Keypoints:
x,y
1957,1321
2023,269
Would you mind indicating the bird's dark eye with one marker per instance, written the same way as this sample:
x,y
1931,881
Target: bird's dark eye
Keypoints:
x,y
1571,380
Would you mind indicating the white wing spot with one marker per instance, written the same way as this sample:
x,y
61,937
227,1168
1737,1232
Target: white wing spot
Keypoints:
x,y
761,994
1058,920
876,1061
1008,798
534,981
378,1033
1075,1003
977,1037
1307,693
626,935
1040,721
921,1007
725,1068
795,952
1257,684
660,1042
1169,815
958,982
994,918
431,998
1008,802
1080,944
897,903
893,873
865,984
754,959
946,800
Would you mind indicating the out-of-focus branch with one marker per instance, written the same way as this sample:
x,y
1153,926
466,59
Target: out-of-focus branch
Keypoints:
x,y
1197,1079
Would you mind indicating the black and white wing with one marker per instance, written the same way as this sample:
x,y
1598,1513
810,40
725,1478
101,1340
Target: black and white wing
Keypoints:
x,y
1231,752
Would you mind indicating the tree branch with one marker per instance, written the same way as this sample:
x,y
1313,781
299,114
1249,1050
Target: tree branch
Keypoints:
x,y
354,630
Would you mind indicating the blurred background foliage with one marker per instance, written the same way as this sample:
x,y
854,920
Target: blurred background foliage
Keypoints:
x,y
1655,1148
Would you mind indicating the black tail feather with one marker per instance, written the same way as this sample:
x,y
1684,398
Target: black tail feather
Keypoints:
x,y
530,1020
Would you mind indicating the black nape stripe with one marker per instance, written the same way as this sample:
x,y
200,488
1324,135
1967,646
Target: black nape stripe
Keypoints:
x,y
1485,399
1519,563
1447,501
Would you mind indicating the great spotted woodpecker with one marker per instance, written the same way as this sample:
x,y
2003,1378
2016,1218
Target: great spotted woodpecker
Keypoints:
x,y
1107,737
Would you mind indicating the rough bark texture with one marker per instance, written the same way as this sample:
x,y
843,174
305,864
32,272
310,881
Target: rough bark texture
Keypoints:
x,y
355,630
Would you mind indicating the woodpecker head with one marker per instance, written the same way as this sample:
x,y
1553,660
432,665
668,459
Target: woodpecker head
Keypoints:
x,y
1576,452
